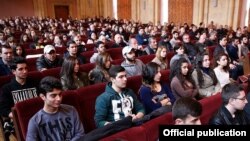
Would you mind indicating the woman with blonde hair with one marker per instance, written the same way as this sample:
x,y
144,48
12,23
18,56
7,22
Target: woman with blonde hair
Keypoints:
x,y
161,57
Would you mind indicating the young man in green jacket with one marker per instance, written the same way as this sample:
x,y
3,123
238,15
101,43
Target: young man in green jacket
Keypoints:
x,y
117,102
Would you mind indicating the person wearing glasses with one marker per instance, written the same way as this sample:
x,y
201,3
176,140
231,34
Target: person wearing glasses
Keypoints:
x,y
231,112
49,59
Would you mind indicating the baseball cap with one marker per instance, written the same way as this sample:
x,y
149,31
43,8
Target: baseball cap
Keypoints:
x,y
126,49
48,48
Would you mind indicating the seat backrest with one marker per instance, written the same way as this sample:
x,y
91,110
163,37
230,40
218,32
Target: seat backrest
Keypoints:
x,y
52,72
87,55
88,97
31,62
87,67
152,127
210,106
115,53
146,58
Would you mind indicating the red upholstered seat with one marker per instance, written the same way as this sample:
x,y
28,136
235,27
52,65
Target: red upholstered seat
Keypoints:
x,y
31,62
87,55
210,106
115,53
87,67
153,125
146,58
88,97
52,72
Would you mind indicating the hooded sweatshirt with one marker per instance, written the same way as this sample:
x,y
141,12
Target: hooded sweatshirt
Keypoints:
x,y
112,106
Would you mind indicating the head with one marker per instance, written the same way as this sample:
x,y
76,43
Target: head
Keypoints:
x,y
202,60
103,61
128,53
6,54
152,42
118,38
19,51
186,111
50,89
179,49
19,68
133,43
151,73
186,38
233,95
180,69
222,60
118,77
203,63
100,47
223,41
70,66
50,52
161,53
72,48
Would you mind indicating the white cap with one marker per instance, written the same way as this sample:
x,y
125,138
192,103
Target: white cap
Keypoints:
x,y
48,48
126,49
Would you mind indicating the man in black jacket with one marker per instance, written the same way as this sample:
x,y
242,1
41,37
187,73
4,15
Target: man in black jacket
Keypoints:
x,y
49,59
231,112
19,89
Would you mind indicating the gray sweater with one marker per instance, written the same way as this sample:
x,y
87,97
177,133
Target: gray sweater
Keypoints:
x,y
133,69
64,125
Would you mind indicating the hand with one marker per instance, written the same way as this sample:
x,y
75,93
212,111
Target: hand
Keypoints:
x,y
10,115
165,102
232,66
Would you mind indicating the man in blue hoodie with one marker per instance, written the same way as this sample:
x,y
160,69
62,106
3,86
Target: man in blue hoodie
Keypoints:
x,y
117,102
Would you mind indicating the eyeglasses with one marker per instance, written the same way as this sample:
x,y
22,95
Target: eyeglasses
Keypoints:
x,y
243,98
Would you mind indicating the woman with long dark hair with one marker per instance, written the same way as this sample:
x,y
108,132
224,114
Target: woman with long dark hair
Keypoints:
x,y
71,77
182,83
153,93
204,77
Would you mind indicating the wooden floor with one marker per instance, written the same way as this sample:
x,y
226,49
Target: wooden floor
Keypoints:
x,y
12,138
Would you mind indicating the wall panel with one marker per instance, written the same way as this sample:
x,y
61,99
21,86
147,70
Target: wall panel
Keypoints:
x,y
180,11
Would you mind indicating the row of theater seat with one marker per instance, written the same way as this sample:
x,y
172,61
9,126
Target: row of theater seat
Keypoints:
x,y
83,99
36,75
149,131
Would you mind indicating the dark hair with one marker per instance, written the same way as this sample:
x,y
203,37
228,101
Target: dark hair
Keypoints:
x,y
176,71
186,106
178,46
98,43
218,57
67,71
148,73
5,46
230,90
16,61
101,60
15,49
48,83
70,42
199,67
115,69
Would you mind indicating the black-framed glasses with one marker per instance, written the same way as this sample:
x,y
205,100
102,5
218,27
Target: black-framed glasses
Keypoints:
x,y
243,98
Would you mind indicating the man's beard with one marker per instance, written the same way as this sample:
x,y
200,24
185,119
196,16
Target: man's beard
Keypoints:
x,y
131,60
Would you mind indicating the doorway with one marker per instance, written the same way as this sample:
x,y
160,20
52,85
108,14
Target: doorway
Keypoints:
x,y
61,11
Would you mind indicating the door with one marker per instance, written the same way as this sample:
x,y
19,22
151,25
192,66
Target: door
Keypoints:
x,y
61,11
